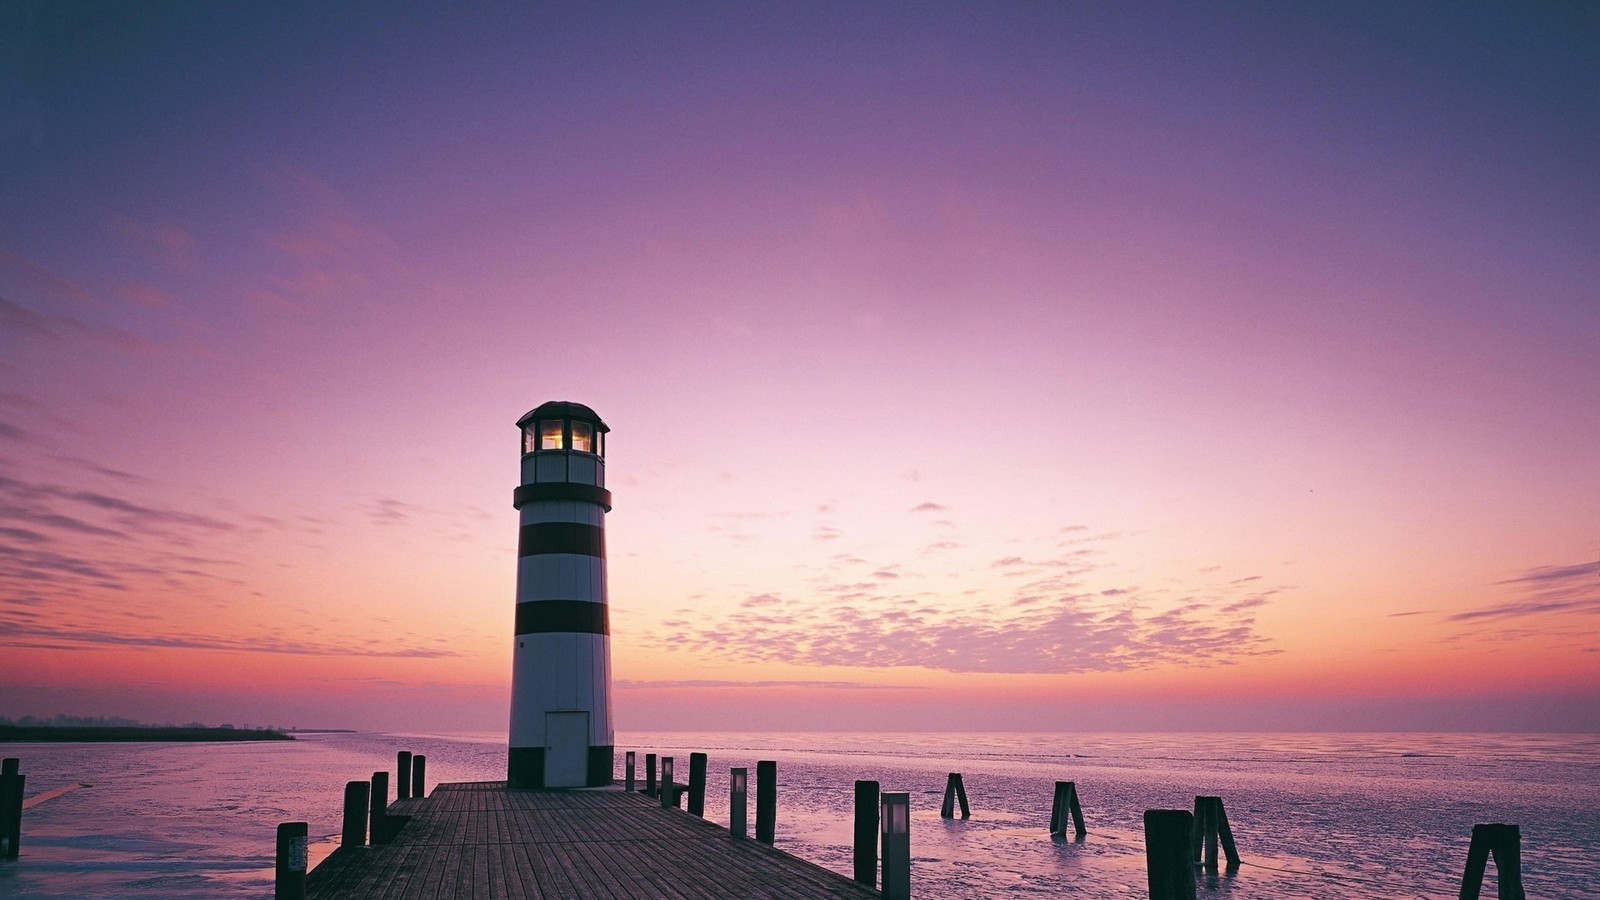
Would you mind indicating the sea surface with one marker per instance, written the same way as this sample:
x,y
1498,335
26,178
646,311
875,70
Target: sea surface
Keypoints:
x,y
1314,815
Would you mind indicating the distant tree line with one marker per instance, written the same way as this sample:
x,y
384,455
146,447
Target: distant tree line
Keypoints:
x,y
78,729
64,721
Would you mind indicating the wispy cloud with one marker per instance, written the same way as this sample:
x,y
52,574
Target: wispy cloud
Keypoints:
x,y
60,328
15,632
1571,588
929,506
171,244
327,252
388,511
627,684
1047,625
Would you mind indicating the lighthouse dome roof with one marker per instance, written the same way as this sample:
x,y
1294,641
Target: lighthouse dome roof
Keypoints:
x,y
563,409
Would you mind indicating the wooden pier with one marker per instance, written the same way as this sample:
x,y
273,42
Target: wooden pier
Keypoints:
x,y
481,840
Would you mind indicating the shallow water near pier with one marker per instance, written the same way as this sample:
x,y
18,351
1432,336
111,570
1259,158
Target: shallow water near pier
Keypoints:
x,y
1343,816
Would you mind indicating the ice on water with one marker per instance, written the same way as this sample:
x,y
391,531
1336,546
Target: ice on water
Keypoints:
x,y
1338,816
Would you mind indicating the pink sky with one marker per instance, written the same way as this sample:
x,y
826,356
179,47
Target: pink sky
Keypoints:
x,y
967,366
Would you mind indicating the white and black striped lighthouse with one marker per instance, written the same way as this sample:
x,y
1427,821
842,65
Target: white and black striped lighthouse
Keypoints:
x,y
561,666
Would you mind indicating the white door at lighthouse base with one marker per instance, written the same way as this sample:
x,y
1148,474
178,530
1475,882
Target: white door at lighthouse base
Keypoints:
x,y
566,749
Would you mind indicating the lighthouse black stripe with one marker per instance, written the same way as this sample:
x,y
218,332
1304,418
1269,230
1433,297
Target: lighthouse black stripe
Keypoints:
x,y
561,537
575,616
561,490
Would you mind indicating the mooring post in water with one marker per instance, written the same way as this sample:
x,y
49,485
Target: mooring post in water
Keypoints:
x,y
738,792
289,882
649,774
12,782
1064,808
766,800
1210,827
1504,843
419,776
402,775
1166,853
866,846
1203,835
357,796
954,790
378,827
669,793
627,770
697,784
896,818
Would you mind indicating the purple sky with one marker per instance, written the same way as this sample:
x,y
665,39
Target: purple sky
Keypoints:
x,y
990,365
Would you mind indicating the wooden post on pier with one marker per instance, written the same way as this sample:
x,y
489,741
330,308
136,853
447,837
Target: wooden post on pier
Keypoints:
x,y
12,783
1065,807
378,820
1210,827
357,795
289,881
738,803
1504,843
697,784
1166,853
668,792
954,790
766,800
866,846
896,819
627,770
419,776
649,774
402,775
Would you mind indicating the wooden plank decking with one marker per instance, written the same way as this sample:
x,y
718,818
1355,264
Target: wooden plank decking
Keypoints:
x,y
480,840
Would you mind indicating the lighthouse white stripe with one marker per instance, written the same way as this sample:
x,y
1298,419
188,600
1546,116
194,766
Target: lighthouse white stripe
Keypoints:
x,y
561,576
577,661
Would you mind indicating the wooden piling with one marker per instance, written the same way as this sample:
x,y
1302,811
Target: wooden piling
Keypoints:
x,y
766,800
649,774
954,790
12,785
1211,827
738,792
627,770
896,829
668,791
1166,854
1064,808
1504,843
289,882
357,796
697,784
1203,835
378,807
419,776
866,845
402,775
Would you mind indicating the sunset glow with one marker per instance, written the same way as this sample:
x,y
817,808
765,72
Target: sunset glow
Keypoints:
x,y
1027,367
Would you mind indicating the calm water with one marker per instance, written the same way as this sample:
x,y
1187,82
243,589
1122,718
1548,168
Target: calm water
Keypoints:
x,y
1343,816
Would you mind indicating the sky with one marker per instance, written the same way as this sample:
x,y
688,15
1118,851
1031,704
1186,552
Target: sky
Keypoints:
x,y
1022,366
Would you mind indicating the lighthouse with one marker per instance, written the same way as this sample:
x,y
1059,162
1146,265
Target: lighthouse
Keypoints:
x,y
561,664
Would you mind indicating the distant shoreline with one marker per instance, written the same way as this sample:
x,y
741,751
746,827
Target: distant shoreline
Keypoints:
x,y
35,734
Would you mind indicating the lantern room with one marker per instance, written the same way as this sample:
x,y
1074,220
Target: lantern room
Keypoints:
x,y
563,442
559,425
